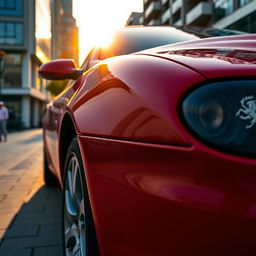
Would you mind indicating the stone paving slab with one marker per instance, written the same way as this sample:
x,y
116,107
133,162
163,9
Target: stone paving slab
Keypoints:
x,y
28,231
10,210
2,197
53,250
30,213
5,220
10,203
36,228
6,187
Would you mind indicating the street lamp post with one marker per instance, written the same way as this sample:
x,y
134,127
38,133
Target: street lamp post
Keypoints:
x,y
2,53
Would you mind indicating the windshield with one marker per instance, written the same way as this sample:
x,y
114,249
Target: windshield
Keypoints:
x,y
132,40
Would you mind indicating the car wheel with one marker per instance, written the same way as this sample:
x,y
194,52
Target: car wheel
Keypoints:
x,y
49,179
79,237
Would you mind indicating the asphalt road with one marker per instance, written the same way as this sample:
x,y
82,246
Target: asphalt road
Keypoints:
x,y
30,213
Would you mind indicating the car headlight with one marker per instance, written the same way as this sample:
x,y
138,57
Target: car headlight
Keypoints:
x,y
223,114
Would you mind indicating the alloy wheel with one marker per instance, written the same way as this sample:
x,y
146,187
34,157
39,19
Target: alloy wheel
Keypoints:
x,y
74,210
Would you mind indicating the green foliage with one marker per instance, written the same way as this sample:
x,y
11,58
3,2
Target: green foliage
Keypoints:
x,y
56,87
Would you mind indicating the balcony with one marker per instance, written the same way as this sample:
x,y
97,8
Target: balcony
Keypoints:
x,y
164,2
153,10
141,20
237,15
176,6
199,14
155,22
178,23
134,19
147,2
166,16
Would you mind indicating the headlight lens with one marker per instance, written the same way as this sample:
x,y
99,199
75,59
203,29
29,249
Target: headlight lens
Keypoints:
x,y
211,115
223,114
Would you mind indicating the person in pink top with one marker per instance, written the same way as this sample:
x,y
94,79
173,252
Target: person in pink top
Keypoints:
x,y
4,115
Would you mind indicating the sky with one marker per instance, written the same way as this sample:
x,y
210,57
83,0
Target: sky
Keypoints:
x,y
97,19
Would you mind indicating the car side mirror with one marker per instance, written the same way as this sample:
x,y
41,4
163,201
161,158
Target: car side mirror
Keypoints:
x,y
60,69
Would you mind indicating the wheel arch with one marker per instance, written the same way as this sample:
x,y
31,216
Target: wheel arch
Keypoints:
x,y
67,133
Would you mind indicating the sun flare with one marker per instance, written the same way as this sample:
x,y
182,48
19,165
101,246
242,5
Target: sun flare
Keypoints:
x,y
98,19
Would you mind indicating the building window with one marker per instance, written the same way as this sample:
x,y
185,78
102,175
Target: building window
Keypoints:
x,y
43,30
12,71
11,33
176,17
222,8
11,7
39,80
244,2
247,24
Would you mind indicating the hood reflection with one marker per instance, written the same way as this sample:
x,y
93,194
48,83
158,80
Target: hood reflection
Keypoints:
x,y
228,55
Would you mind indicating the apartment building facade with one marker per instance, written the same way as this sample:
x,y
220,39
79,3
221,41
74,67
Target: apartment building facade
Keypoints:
x,y
69,32
136,18
25,35
223,14
29,37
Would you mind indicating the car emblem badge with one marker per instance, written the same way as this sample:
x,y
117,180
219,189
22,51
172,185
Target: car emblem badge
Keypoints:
x,y
248,110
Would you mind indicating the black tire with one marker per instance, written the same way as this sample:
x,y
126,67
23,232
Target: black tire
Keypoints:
x,y
49,179
77,221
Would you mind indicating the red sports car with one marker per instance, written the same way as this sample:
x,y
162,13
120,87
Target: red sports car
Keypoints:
x,y
155,150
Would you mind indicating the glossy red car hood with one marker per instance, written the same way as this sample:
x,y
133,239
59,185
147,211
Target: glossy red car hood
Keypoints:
x,y
213,57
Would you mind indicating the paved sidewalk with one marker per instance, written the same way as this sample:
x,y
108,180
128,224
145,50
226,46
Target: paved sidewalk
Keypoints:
x,y
30,213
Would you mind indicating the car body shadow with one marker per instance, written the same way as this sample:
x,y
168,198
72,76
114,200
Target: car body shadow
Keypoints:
x,y
36,228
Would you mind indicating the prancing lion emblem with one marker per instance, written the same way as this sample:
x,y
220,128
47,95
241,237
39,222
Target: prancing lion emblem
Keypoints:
x,y
248,110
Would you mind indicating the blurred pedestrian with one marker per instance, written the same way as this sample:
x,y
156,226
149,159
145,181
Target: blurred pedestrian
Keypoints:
x,y
4,115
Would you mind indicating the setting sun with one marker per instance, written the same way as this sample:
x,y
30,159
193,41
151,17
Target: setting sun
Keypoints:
x,y
98,19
